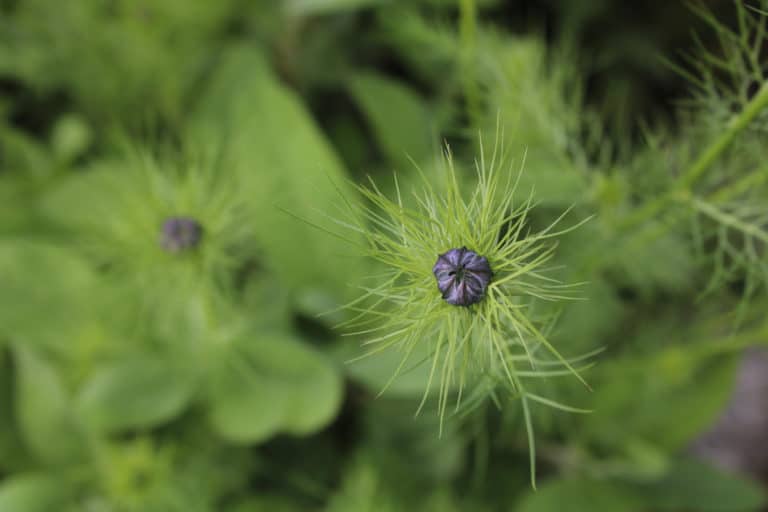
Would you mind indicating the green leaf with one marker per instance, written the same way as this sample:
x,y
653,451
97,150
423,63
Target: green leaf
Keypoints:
x,y
673,268
363,490
314,7
392,430
25,154
86,199
285,166
12,453
273,385
597,314
152,48
32,492
43,410
46,292
70,138
268,503
399,118
580,496
665,398
693,485
141,392
16,192
376,372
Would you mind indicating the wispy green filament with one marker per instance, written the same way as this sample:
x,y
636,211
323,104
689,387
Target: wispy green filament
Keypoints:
x,y
496,340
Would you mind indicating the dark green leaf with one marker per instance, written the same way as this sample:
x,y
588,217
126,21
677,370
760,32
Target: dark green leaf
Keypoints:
x,y
46,291
314,7
140,392
12,453
32,492
580,496
693,485
665,398
398,116
272,385
287,168
43,410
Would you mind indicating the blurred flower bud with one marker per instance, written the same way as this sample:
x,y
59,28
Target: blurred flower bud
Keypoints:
x,y
180,233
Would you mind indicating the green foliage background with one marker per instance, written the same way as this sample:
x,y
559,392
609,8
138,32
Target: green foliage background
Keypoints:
x,y
136,379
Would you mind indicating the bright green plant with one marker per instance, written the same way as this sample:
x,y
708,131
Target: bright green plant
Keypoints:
x,y
494,342
164,170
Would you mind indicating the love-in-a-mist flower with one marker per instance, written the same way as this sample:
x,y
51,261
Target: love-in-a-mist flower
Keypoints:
x,y
169,227
461,269
180,234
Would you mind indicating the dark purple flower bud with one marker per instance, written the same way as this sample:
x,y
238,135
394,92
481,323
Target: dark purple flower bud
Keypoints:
x,y
462,276
180,233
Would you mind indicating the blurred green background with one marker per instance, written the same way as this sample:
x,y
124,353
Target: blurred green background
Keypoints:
x,y
161,343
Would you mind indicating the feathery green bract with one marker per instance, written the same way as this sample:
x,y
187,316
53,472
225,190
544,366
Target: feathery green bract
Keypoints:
x,y
497,340
128,202
724,182
158,346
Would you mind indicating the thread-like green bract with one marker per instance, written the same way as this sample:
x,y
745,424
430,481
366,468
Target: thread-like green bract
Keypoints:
x,y
494,338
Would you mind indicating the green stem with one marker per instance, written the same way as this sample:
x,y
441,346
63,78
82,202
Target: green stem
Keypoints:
x,y
684,183
681,189
467,38
740,186
736,126
481,451
729,220
650,233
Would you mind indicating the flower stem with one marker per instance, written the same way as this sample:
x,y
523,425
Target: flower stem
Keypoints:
x,y
653,232
467,35
680,191
684,183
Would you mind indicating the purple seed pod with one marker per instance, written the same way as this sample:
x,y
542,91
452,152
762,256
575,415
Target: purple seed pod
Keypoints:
x,y
462,276
180,234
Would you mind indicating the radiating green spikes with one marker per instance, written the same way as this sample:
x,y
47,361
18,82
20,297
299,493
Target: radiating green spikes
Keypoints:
x,y
467,344
531,439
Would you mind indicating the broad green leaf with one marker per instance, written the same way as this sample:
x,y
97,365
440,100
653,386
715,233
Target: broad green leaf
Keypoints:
x,y
88,199
664,398
24,154
693,485
272,385
313,7
549,180
376,371
392,430
46,293
12,453
70,138
140,392
398,116
153,49
267,504
580,495
285,166
363,490
15,193
673,268
587,322
32,492
43,410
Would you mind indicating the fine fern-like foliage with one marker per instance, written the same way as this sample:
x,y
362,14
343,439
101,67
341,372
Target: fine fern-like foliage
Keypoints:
x,y
123,227
159,341
725,190
495,343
